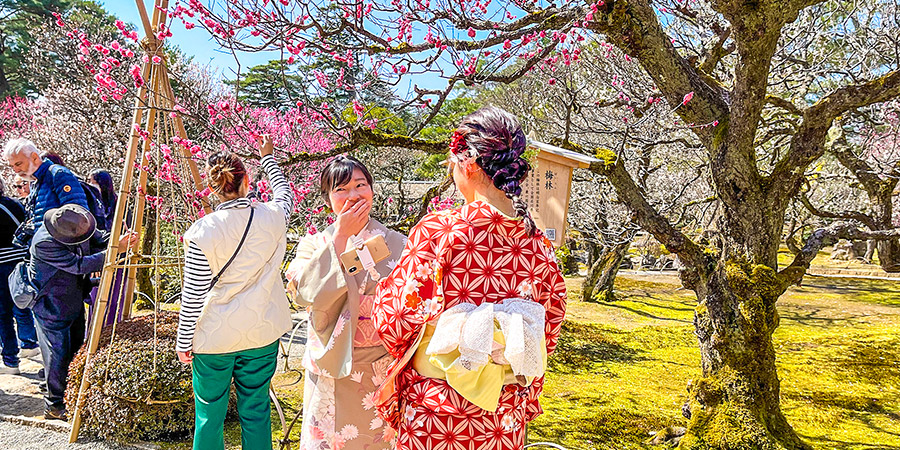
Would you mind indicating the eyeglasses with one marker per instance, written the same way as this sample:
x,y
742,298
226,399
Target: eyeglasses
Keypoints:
x,y
19,185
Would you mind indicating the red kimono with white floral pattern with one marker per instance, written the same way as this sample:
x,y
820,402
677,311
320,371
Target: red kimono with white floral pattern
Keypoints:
x,y
473,254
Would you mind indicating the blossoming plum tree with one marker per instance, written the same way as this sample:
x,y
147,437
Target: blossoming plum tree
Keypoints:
x,y
714,58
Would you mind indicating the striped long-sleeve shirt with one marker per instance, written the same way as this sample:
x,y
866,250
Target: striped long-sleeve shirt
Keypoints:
x,y
197,274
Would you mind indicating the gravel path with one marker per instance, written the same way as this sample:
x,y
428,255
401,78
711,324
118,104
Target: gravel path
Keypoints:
x,y
20,437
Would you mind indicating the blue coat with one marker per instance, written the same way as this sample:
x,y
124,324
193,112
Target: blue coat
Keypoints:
x,y
55,186
61,273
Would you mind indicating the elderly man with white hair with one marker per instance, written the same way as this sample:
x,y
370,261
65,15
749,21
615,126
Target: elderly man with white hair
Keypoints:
x,y
54,185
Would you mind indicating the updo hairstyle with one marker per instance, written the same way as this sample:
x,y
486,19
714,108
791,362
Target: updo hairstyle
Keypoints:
x,y
499,142
225,173
339,171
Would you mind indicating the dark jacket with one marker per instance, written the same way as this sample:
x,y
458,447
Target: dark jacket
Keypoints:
x,y
54,186
8,252
61,273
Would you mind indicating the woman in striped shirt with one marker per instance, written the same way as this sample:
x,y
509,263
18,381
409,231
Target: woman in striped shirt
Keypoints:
x,y
230,324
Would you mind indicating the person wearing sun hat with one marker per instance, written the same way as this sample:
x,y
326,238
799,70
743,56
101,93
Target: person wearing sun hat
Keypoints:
x,y
65,251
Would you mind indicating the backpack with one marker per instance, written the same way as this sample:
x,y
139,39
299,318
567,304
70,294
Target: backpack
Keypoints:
x,y
21,286
95,204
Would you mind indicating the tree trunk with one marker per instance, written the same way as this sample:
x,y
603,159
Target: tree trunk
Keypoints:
x,y
4,83
571,262
144,277
598,285
889,254
736,403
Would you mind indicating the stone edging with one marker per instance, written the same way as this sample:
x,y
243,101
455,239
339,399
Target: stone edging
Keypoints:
x,y
56,425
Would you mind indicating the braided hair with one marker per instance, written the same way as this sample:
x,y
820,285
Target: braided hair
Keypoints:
x,y
499,143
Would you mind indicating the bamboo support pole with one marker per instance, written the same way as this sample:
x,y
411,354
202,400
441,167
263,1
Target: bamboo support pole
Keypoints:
x,y
141,199
148,28
101,304
106,278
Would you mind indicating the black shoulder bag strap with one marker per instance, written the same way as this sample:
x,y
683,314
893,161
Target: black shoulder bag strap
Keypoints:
x,y
240,244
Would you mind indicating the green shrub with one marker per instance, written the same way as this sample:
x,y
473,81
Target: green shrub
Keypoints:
x,y
128,399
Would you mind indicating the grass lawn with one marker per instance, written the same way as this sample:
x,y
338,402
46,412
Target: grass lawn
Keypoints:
x,y
622,369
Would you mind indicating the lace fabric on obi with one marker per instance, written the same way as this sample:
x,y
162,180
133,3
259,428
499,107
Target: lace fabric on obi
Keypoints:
x,y
479,349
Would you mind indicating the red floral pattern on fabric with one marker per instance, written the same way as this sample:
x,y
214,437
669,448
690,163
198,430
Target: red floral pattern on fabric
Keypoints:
x,y
474,254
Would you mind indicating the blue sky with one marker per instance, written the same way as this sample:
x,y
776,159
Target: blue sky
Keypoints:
x,y
196,42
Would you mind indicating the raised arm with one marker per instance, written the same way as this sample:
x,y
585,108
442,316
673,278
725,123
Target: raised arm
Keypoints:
x,y
280,186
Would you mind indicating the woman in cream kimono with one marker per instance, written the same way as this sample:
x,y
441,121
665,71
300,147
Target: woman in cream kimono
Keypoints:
x,y
345,360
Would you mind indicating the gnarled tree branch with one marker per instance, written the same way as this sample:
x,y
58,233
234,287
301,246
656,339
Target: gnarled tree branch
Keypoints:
x,y
613,168
808,143
843,215
838,230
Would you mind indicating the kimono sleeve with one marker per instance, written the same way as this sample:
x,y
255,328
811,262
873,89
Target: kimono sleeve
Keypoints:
x,y
404,298
315,276
553,296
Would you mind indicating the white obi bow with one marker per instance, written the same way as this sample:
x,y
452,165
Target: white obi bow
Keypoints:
x,y
470,330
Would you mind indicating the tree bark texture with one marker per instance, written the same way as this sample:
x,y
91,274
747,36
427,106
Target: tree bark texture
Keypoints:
x,y
4,83
736,403
599,283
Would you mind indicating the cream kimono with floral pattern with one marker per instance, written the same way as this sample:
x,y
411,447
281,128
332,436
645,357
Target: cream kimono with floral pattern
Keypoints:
x,y
345,360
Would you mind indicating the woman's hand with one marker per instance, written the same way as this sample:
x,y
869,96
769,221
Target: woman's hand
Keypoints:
x,y
186,357
353,218
266,146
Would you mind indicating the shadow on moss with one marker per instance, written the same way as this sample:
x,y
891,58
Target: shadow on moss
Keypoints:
x,y
584,346
595,424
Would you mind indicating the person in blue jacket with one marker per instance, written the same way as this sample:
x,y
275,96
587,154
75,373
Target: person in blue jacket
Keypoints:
x,y
54,185
64,252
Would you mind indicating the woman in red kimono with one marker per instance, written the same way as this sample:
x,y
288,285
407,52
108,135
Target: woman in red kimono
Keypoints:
x,y
474,305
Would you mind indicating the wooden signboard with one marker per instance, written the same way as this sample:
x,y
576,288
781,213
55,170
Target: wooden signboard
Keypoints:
x,y
549,185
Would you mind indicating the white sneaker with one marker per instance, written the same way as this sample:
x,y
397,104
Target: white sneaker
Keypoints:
x,y
29,352
7,370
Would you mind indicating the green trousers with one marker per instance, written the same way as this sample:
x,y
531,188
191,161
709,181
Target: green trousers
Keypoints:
x,y
252,371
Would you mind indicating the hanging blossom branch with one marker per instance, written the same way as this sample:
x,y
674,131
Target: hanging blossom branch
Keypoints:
x,y
223,123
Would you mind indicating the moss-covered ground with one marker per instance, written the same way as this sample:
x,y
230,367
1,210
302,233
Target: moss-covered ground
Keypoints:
x,y
621,369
